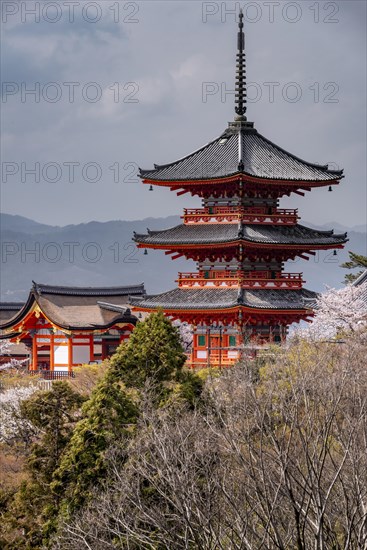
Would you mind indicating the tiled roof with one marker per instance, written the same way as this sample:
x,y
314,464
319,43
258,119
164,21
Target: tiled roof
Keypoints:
x,y
361,282
88,291
9,309
11,306
241,149
76,308
233,232
18,350
210,298
83,312
361,279
114,307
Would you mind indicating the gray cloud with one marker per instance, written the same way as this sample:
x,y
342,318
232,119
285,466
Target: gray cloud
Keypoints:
x,y
169,53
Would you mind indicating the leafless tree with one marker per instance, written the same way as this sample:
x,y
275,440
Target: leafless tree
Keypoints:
x,y
276,463
298,444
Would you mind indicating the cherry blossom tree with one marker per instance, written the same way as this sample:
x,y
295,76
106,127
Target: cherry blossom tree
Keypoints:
x,y
5,350
186,335
12,423
338,311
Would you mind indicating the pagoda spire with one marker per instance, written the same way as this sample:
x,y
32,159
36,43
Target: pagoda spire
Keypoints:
x,y
241,95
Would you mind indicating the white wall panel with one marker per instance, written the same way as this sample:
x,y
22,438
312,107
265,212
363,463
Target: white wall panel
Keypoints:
x,y
61,355
81,354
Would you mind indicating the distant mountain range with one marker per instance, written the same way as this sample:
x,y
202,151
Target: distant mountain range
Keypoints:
x,y
103,254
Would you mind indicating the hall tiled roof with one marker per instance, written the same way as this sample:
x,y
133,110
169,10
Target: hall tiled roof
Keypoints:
x,y
79,308
241,149
88,291
220,298
202,234
9,309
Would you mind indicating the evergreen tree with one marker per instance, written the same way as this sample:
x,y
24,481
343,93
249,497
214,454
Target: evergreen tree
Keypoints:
x,y
153,353
356,260
108,416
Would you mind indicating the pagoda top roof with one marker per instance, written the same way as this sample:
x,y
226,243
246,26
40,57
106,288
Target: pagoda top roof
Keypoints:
x,y
219,298
201,234
240,149
75,308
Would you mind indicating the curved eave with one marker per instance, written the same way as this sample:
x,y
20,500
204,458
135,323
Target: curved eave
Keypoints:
x,y
91,328
231,235
321,168
10,335
21,314
240,152
236,243
245,177
32,303
146,172
227,309
130,321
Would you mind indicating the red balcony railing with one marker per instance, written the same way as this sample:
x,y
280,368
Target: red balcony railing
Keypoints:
x,y
227,214
253,279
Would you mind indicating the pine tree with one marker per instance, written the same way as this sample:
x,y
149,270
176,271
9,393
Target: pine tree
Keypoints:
x,y
153,352
356,260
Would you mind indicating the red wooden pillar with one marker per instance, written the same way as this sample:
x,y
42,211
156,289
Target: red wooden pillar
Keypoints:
x,y
34,353
225,345
91,347
70,353
52,352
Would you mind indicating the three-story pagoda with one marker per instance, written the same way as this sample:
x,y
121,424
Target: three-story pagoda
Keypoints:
x,y
240,237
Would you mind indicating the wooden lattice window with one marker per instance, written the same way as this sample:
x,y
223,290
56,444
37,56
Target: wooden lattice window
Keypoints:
x,y
201,340
232,341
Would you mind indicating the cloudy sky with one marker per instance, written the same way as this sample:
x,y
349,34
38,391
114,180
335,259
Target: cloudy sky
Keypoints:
x,y
124,84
